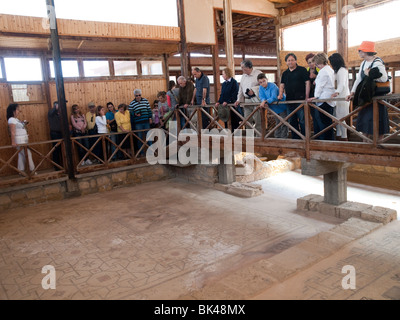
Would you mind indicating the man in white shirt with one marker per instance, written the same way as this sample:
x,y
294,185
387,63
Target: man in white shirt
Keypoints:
x,y
245,94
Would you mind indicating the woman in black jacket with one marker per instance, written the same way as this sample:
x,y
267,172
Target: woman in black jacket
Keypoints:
x,y
229,92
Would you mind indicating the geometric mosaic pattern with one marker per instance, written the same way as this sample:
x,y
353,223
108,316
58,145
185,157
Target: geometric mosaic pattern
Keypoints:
x,y
158,240
376,261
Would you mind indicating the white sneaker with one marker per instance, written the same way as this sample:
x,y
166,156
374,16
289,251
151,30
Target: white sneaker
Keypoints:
x,y
88,162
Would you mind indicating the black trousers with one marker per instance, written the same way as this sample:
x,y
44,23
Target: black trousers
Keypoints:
x,y
57,155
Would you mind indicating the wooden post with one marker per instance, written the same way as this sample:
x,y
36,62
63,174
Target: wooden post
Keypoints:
x,y
393,80
229,35
166,70
308,133
217,82
278,33
183,45
325,25
342,28
51,13
46,76
263,124
375,123
111,67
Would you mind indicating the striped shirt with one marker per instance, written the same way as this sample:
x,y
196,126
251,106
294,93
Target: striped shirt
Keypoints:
x,y
140,111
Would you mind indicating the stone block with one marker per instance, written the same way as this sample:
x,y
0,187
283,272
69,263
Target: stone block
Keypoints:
x,y
84,185
52,189
378,168
18,196
119,177
244,190
103,181
328,209
34,193
93,184
304,202
392,170
352,209
5,200
313,204
379,214
55,196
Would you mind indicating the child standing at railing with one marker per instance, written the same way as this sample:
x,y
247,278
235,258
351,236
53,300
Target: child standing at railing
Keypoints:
x,y
19,136
268,93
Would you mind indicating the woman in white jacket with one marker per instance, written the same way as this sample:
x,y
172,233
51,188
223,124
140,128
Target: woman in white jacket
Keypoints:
x,y
341,91
19,136
324,89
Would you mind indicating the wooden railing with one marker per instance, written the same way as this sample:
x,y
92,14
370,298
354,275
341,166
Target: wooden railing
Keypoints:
x,y
376,149
10,174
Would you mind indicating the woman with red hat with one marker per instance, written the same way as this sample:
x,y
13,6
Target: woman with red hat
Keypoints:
x,y
371,69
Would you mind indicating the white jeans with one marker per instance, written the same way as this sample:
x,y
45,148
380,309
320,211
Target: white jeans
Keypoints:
x,y
255,119
21,159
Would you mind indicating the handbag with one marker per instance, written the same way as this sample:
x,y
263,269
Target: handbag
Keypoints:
x,y
113,126
382,88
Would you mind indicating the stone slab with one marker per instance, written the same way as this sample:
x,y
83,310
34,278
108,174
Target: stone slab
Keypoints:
x,y
379,214
351,209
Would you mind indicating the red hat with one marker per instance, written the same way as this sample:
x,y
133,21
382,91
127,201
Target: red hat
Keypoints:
x,y
367,46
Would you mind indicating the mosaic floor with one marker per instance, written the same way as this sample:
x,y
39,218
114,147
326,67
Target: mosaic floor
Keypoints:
x,y
158,240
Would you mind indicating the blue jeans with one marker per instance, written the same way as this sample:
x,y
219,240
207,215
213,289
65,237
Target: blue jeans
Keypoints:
x,y
297,120
142,134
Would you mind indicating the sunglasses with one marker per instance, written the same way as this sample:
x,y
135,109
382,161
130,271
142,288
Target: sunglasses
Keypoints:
x,y
138,95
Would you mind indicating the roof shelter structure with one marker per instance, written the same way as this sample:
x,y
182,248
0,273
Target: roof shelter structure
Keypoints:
x,y
152,244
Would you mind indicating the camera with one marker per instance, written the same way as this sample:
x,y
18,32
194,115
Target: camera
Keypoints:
x,y
250,95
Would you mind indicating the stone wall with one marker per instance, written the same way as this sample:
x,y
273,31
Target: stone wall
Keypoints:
x,y
203,174
26,195
377,176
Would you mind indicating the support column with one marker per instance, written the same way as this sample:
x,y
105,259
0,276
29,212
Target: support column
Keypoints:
x,y
342,28
335,178
166,70
325,25
51,13
278,33
335,186
229,35
216,73
226,173
393,80
183,49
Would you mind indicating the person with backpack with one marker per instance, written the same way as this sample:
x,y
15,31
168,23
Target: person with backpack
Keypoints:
x,y
368,83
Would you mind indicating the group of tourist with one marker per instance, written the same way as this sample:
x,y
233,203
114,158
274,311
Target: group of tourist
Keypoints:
x,y
325,78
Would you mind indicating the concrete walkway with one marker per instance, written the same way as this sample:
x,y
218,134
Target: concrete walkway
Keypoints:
x,y
173,240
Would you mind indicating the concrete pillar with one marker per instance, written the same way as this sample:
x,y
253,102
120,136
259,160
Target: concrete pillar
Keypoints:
x,y
335,178
335,187
226,173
